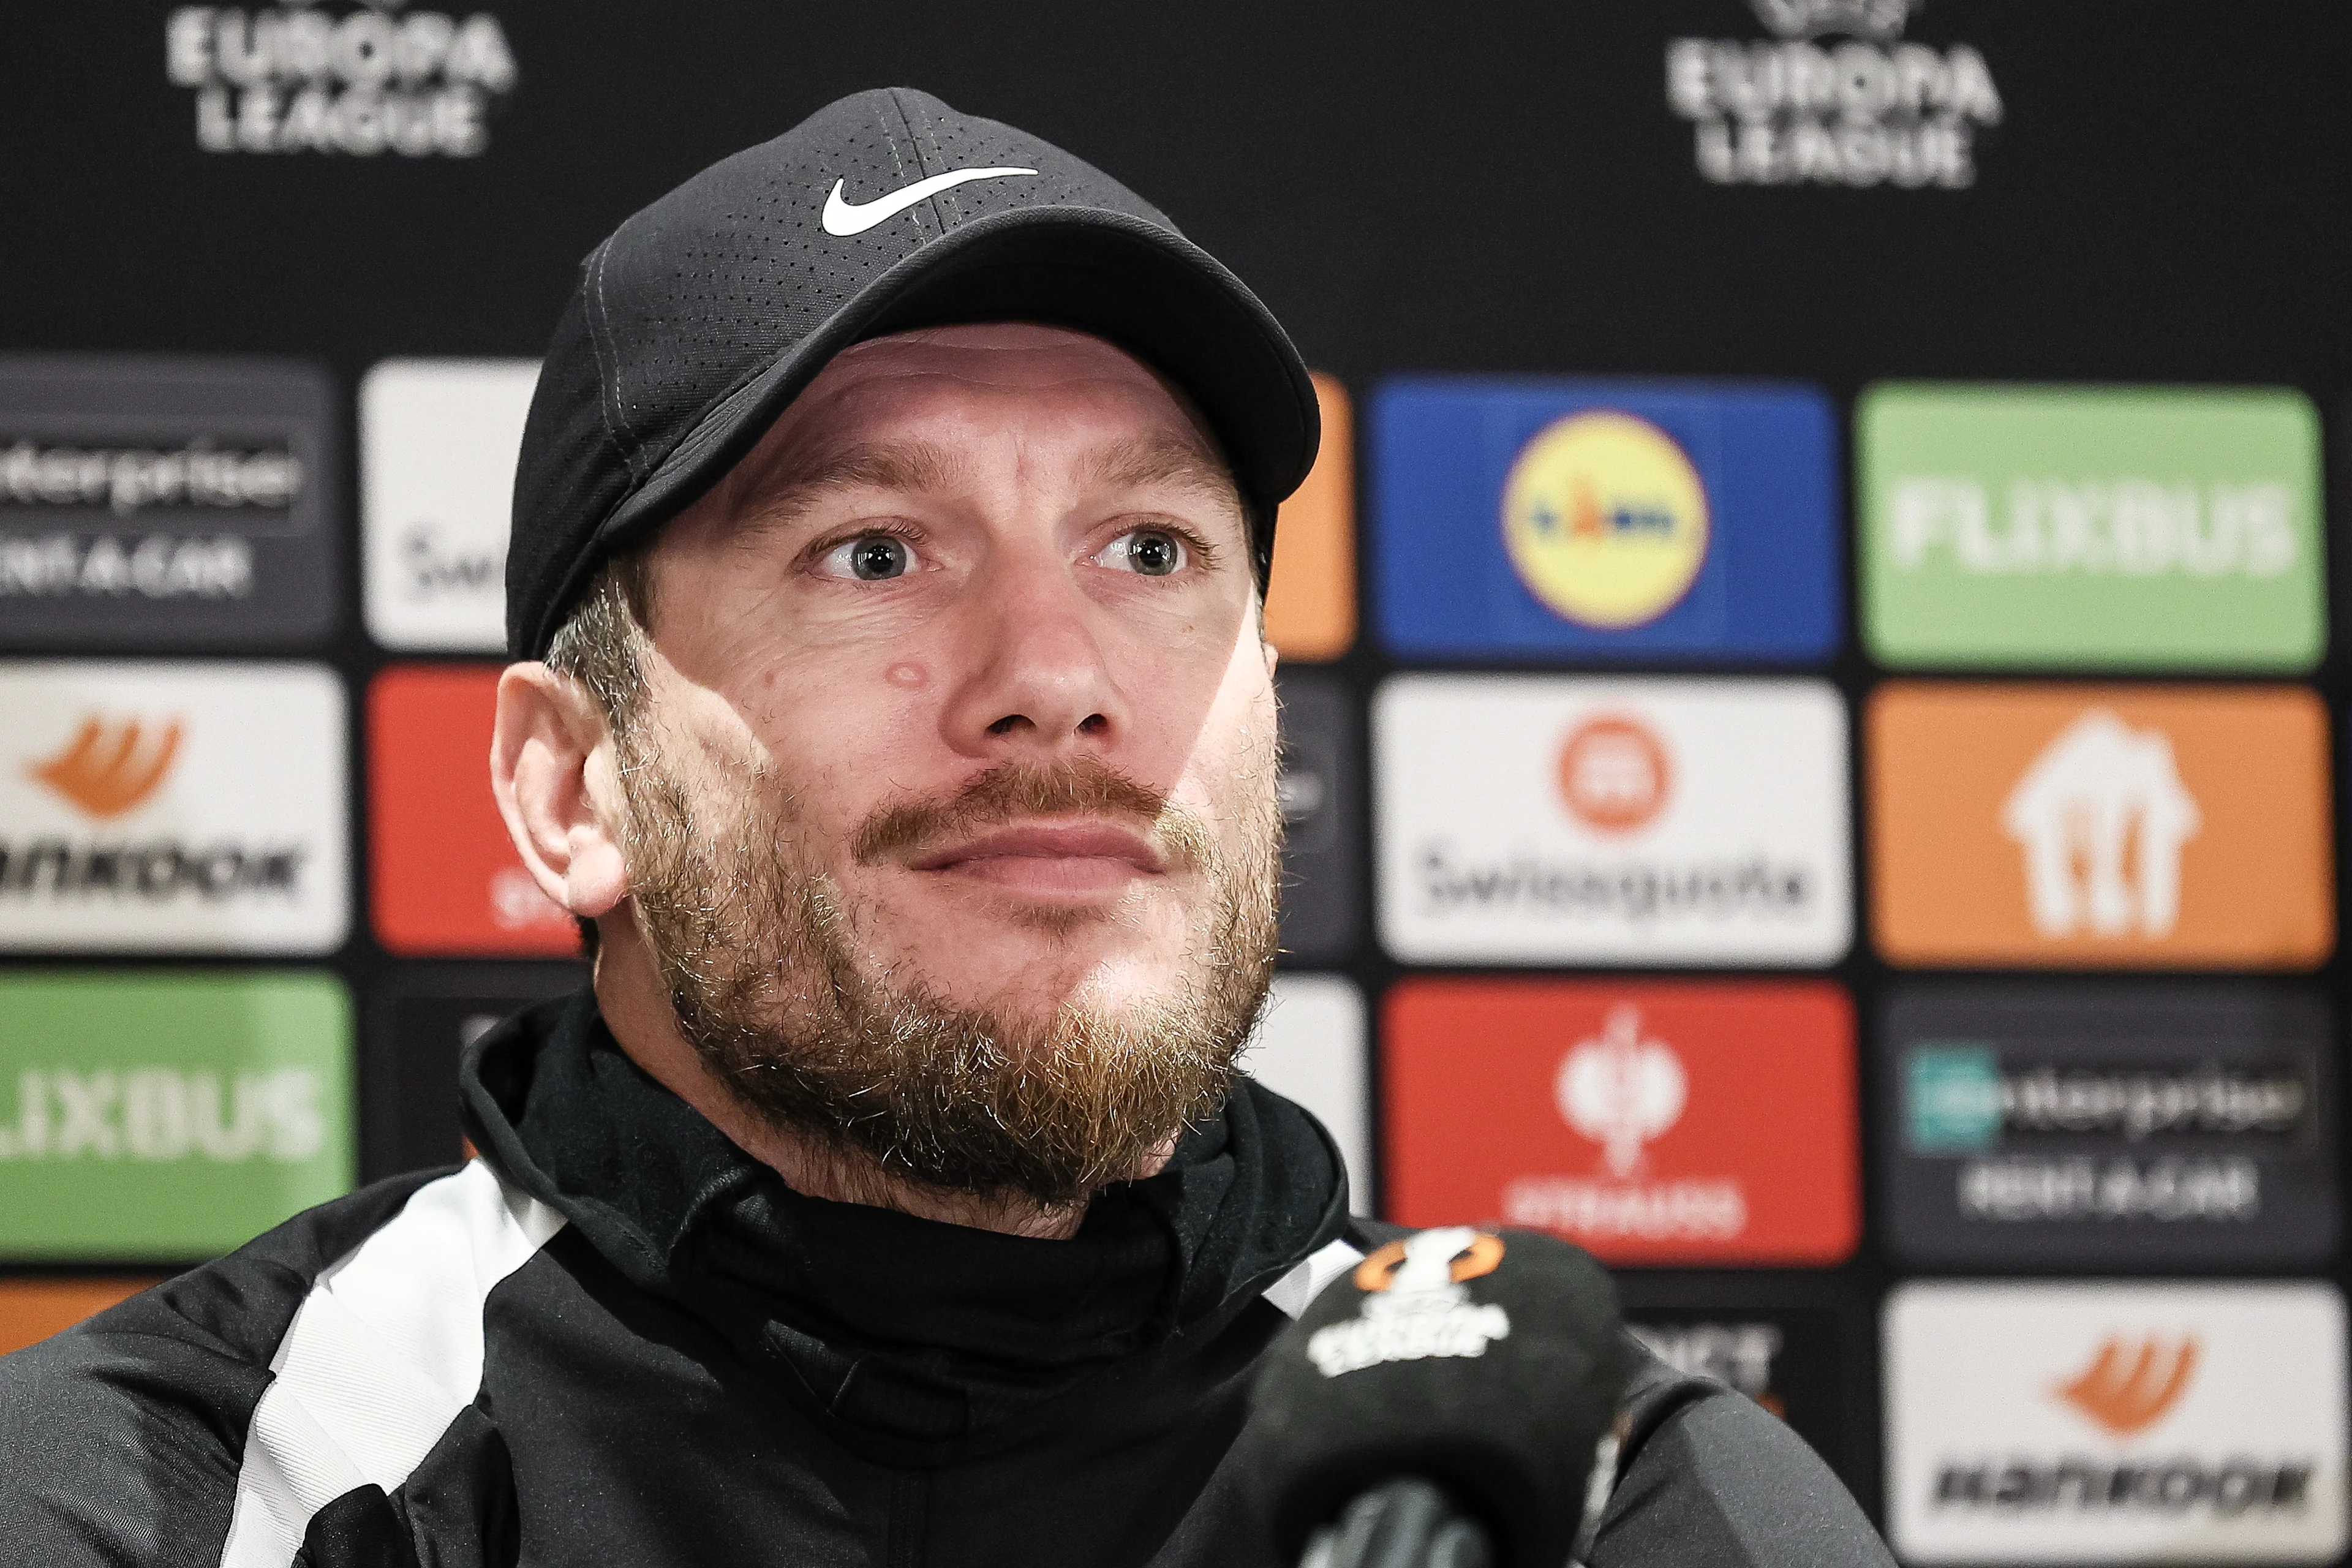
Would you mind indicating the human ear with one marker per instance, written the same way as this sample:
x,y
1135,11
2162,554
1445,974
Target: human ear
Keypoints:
x,y
553,773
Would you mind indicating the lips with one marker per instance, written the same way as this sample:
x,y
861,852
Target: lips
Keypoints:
x,y
1003,848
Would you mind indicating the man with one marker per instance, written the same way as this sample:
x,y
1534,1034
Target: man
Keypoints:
x,y
892,709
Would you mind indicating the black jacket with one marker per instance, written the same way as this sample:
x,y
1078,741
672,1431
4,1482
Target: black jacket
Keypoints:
x,y
617,1340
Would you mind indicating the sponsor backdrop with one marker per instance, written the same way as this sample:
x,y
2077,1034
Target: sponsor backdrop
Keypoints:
x,y
1810,750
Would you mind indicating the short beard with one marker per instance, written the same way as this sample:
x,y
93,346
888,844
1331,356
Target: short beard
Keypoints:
x,y
757,954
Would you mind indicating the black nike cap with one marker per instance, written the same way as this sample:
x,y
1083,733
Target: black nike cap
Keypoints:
x,y
699,319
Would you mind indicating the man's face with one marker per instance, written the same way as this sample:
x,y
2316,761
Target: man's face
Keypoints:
x,y
957,773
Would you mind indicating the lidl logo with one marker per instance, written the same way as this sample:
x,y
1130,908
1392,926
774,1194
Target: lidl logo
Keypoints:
x,y
108,769
1605,520
2149,826
1529,819
1647,1122
2090,527
2108,1125
1545,518
1615,774
154,1115
164,807
2140,1423
438,443
2132,1383
445,878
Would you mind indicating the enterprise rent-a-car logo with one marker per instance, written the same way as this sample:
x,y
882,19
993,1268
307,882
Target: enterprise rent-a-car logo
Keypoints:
x,y
1871,109
299,77
165,502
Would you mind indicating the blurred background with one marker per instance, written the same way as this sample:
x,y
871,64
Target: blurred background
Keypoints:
x,y
1808,679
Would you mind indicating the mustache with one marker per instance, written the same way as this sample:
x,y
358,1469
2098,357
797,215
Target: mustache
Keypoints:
x,y
1086,786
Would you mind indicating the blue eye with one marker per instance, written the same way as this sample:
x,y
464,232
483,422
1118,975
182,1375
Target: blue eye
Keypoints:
x,y
873,558
1151,552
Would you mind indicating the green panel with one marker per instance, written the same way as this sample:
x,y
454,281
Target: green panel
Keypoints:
x,y
2066,528
149,1115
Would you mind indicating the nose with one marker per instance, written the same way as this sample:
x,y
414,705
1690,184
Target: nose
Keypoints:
x,y
1036,683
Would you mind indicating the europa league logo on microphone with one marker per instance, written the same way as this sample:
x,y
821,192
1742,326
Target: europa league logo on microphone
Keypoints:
x,y
1415,1303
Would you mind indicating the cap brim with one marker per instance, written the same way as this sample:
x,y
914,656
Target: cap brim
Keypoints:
x,y
1152,293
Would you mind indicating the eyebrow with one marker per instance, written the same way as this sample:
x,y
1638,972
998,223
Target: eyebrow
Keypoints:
x,y
1143,460
790,490
872,464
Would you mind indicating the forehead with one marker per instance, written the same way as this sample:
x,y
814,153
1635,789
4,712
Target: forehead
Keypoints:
x,y
1047,388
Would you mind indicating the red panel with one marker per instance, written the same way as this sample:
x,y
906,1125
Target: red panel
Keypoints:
x,y
1667,1123
443,877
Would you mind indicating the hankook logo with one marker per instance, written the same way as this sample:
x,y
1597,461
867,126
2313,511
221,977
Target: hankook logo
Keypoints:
x,y
165,806
2024,1426
2132,1384
110,769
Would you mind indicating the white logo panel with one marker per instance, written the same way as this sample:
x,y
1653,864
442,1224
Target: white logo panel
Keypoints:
x,y
1309,1049
154,807
1554,820
2066,1422
438,440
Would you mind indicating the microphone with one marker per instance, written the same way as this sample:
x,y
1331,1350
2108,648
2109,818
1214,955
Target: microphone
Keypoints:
x,y
1442,1405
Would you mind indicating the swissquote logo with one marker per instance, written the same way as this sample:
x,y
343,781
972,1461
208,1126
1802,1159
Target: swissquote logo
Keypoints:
x,y
1415,1304
2102,815
1615,774
2066,1422
1536,820
438,443
358,80
1648,1122
1621,1090
1796,109
170,806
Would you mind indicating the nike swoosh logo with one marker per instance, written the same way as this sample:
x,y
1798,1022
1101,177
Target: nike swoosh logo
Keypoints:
x,y
846,218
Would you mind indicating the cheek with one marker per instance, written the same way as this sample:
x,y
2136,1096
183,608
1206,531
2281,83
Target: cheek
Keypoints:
x,y
837,735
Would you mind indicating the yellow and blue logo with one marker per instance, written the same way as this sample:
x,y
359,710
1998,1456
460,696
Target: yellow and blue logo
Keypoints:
x,y
1605,519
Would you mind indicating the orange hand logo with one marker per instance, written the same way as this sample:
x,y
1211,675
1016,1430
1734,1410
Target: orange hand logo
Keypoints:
x,y
2126,1391
107,773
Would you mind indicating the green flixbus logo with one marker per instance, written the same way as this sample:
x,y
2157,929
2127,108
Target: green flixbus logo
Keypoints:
x,y
159,1115
152,1116
2074,527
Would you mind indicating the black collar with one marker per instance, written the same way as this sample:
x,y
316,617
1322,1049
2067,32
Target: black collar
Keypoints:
x,y
910,1331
